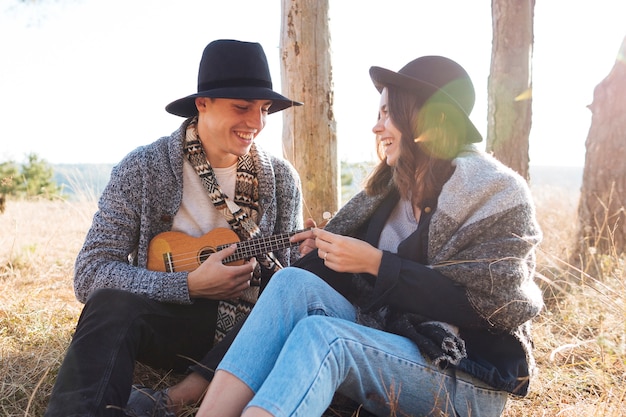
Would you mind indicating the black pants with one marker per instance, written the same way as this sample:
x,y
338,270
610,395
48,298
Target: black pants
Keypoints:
x,y
116,329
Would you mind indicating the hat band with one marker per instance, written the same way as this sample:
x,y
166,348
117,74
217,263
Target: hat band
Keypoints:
x,y
234,82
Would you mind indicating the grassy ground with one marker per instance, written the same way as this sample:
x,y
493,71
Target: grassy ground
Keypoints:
x,y
579,338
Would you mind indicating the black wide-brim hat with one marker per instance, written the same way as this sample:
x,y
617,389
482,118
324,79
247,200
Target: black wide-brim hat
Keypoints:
x,y
232,69
433,79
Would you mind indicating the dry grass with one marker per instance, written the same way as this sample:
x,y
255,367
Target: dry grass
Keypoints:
x,y
38,244
579,338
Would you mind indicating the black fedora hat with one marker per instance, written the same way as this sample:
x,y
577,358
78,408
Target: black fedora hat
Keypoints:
x,y
434,79
232,69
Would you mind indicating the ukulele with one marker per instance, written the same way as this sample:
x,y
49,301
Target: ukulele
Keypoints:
x,y
177,251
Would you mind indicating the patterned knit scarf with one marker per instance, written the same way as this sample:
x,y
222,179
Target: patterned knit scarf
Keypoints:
x,y
242,219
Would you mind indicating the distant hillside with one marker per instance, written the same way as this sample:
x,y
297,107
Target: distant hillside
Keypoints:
x,y
82,181
566,177
88,180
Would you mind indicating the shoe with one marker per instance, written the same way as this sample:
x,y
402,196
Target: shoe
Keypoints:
x,y
146,402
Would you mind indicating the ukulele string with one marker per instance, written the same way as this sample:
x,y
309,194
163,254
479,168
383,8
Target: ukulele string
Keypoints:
x,y
245,249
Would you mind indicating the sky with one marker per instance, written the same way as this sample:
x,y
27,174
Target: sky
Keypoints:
x,y
86,81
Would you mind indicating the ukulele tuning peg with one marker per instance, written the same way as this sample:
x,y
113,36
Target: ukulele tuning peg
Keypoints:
x,y
327,215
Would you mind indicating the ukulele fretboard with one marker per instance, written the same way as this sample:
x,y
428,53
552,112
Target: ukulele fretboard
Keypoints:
x,y
250,248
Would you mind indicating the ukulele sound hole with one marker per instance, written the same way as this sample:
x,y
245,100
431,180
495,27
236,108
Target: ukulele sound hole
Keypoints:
x,y
205,253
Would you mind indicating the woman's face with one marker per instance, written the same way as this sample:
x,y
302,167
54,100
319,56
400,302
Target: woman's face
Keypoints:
x,y
387,135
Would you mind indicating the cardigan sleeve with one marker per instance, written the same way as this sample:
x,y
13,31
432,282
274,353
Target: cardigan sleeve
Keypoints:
x,y
483,236
108,258
497,268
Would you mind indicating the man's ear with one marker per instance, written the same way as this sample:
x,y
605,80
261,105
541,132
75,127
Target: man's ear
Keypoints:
x,y
200,103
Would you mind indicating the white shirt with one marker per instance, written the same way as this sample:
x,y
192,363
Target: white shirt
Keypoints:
x,y
197,215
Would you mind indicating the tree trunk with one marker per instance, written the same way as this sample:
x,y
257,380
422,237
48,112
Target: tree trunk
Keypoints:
x,y
601,210
309,133
510,87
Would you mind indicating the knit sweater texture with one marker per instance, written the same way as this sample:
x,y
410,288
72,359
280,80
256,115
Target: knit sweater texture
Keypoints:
x,y
141,200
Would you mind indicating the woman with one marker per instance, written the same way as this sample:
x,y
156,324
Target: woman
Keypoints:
x,y
418,297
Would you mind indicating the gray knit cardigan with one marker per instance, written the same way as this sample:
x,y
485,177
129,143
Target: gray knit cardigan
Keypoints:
x,y
140,201
483,235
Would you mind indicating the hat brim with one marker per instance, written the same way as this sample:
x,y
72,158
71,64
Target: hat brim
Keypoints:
x,y
382,77
186,106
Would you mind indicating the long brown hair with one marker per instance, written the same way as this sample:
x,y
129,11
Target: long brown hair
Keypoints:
x,y
433,133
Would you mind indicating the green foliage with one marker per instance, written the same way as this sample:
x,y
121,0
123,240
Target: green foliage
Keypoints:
x,y
35,178
9,171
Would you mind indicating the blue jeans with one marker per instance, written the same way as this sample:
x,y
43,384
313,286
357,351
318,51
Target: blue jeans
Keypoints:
x,y
300,344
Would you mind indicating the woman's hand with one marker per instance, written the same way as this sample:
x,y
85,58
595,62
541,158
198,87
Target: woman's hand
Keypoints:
x,y
347,254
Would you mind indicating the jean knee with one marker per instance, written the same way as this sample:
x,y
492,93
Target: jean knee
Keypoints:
x,y
317,328
293,280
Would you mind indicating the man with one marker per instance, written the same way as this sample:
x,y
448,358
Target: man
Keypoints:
x,y
165,299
